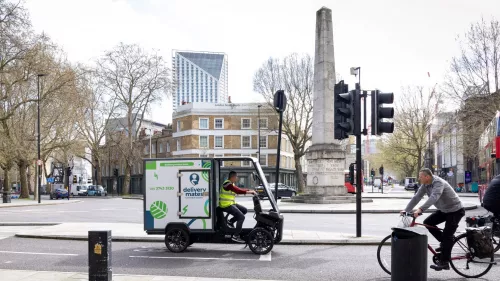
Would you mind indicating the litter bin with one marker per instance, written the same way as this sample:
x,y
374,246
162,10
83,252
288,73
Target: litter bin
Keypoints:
x,y
409,254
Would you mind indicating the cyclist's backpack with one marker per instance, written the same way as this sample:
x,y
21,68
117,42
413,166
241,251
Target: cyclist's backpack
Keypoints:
x,y
480,242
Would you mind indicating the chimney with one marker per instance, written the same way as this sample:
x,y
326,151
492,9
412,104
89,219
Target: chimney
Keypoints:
x,y
229,99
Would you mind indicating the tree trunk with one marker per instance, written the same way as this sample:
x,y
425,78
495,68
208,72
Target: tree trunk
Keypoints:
x,y
30,179
98,174
23,179
6,180
126,180
299,176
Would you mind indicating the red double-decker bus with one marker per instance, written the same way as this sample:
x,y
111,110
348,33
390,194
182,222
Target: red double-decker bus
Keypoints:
x,y
489,145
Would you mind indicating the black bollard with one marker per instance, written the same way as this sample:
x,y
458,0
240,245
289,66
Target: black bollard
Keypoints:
x,y
100,256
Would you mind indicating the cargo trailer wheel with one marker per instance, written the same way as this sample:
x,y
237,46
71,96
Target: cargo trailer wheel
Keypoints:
x,y
260,241
176,239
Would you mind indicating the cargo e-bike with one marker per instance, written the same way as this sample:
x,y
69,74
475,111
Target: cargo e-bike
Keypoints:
x,y
181,202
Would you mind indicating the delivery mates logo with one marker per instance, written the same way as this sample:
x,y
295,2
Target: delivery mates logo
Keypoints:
x,y
195,192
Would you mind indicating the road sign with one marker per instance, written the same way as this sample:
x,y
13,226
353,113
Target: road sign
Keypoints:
x,y
39,162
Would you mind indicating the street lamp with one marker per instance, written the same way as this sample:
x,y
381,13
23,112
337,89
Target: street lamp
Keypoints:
x,y
39,161
258,124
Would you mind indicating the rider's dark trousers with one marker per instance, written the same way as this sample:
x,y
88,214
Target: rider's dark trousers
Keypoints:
x,y
446,236
238,212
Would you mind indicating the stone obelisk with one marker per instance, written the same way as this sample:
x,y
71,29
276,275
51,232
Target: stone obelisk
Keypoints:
x,y
325,157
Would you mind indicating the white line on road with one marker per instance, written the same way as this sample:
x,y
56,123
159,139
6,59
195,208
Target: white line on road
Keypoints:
x,y
32,253
3,237
266,257
191,258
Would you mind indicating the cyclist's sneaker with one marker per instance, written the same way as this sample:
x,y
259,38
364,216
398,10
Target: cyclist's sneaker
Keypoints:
x,y
441,266
438,249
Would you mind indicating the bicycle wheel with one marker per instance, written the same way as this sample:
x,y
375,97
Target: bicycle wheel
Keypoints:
x,y
384,255
464,263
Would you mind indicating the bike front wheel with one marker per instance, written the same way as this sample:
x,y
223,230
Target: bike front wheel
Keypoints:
x,y
465,263
384,255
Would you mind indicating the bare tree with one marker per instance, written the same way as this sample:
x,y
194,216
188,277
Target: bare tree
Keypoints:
x,y
136,79
473,83
295,75
97,109
403,151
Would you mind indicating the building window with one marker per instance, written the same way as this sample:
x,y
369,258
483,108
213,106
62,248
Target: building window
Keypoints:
x,y
153,148
263,142
204,123
246,141
203,141
168,146
146,149
219,142
178,126
246,123
263,159
219,123
246,163
161,148
219,156
179,145
263,123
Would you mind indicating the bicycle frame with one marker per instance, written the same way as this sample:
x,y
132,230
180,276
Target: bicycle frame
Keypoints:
x,y
414,223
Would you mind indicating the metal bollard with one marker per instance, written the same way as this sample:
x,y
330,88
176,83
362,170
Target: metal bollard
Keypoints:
x,y
100,256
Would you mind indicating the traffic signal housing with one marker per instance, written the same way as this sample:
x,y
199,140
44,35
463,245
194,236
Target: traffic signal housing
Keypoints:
x,y
379,112
115,172
343,111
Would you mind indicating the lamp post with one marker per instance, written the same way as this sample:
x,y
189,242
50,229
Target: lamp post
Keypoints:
x,y
258,137
39,164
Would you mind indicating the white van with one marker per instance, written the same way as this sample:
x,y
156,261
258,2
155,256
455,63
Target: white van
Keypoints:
x,y
78,189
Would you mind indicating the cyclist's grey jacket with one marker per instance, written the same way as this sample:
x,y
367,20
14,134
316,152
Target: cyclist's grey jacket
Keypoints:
x,y
441,195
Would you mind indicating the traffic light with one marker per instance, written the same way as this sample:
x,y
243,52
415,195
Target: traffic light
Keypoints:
x,y
380,112
381,170
75,178
372,172
344,111
115,172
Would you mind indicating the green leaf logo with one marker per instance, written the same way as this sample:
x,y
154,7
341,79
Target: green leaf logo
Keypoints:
x,y
158,210
156,176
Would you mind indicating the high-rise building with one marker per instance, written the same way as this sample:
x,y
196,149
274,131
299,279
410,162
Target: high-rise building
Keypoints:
x,y
199,77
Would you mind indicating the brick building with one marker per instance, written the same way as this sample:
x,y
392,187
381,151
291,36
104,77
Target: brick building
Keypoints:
x,y
215,130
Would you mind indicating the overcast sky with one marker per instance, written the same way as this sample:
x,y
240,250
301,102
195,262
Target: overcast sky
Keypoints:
x,y
395,42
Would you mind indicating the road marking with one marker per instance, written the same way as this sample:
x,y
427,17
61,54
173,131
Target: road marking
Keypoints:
x,y
3,237
266,257
8,262
192,258
32,253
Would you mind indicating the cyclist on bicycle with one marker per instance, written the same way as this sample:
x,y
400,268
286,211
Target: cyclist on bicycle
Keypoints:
x,y
491,199
449,210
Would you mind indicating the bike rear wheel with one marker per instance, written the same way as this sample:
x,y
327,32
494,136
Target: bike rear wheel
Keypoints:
x,y
464,263
384,255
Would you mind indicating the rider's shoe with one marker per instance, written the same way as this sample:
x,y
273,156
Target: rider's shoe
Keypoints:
x,y
237,239
441,266
438,249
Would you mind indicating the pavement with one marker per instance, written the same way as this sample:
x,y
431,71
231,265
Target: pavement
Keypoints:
x,y
30,202
30,275
134,232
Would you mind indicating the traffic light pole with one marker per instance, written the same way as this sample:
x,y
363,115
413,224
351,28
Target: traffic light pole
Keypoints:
x,y
357,131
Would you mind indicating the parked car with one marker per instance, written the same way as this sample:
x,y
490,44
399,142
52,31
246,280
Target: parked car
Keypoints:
x,y
283,190
59,193
101,191
83,190
92,190
412,186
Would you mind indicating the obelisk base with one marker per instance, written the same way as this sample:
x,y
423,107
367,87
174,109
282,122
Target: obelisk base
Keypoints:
x,y
325,170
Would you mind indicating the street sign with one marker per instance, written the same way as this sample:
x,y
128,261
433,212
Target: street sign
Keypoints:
x,y
39,162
